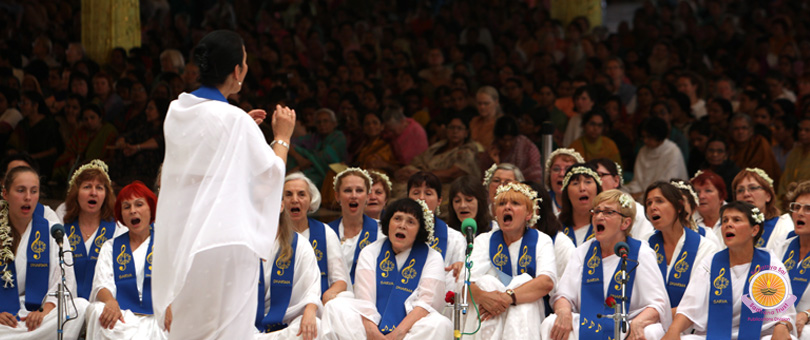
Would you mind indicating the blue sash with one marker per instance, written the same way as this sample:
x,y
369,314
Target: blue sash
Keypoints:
x,y
799,274
39,258
395,286
679,277
767,229
317,237
701,231
9,295
569,231
593,295
367,236
440,237
554,199
281,285
499,255
720,299
126,280
84,264
211,93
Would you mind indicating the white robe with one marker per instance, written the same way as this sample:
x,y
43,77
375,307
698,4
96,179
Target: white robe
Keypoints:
x,y
521,321
695,302
642,228
706,248
335,262
48,327
804,297
784,225
348,245
660,164
648,290
456,246
345,320
573,130
306,290
134,326
221,188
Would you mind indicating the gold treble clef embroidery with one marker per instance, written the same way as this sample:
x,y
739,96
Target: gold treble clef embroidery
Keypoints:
x,y
149,259
790,262
37,246
408,272
805,265
500,259
658,255
100,239
434,243
281,265
318,252
618,278
593,262
525,259
720,282
363,242
760,243
386,265
681,266
74,238
123,258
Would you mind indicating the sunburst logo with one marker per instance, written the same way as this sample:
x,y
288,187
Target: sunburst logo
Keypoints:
x,y
768,291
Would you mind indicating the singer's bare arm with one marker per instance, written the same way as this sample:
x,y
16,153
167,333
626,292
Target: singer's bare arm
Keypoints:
x,y
112,312
647,317
679,324
564,322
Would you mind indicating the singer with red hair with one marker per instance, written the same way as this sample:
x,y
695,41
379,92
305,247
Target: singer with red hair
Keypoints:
x,y
581,292
121,298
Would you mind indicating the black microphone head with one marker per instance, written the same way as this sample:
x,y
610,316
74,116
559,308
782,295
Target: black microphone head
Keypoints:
x,y
58,231
469,223
620,246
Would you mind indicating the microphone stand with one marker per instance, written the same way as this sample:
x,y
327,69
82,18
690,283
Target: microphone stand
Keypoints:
x,y
461,304
619,315
62,294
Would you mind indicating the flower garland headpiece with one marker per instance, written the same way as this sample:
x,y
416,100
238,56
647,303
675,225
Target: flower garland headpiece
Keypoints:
x,y
619,173
698,173
488,174
386,181
581,170
526,191
94,164
362,172
625,201
683,186
758,216
6,255
563,151
762,174
429,221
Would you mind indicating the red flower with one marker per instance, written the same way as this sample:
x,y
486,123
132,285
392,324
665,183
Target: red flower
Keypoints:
x,y
610,302
450,297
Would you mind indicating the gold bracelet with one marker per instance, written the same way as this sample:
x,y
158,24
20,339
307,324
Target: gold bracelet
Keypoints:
x,y
280,142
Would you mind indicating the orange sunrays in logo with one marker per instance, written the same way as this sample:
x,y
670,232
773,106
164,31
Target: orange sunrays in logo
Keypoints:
x,y
768,289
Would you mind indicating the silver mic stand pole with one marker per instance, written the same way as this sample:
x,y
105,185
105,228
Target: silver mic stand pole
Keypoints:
x,y
619,316
460,305
62,294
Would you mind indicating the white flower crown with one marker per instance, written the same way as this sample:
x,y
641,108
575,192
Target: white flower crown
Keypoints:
x,y
683,186
758,216
619,172
6,240
362,172
94,164
385,179
581,170
626,201
429,223
698,173
563,151
762,174
526,191
488,174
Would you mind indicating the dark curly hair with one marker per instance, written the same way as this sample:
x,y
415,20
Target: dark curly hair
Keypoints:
x,y
408,206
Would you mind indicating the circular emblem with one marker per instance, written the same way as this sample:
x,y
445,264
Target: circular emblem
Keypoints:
x,y
768,289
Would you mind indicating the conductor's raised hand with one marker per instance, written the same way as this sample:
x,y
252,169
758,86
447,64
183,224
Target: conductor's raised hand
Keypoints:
x,y
258,115
283,122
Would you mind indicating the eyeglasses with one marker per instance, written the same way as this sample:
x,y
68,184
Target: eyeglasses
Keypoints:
x,y
608,213
603,174
498,181
800,208
559,169
752,188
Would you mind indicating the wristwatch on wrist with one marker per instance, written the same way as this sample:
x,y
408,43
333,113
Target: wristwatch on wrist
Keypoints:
x,y
787,324
280,142
511,294
807,314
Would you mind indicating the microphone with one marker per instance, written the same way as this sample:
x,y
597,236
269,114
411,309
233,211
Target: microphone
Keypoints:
x,y
58,233
621,249
469,228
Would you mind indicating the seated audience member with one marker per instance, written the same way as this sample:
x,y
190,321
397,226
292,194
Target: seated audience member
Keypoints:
x,y
513,269
749,150
712,304
92,141
313,153
797,165
406,136
122,285
141,148
658,160
717,160
581,293
512,147
482,126
399,283
37,134
373,151
593,144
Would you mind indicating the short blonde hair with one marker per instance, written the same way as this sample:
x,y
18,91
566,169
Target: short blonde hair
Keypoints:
x,y
615,196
